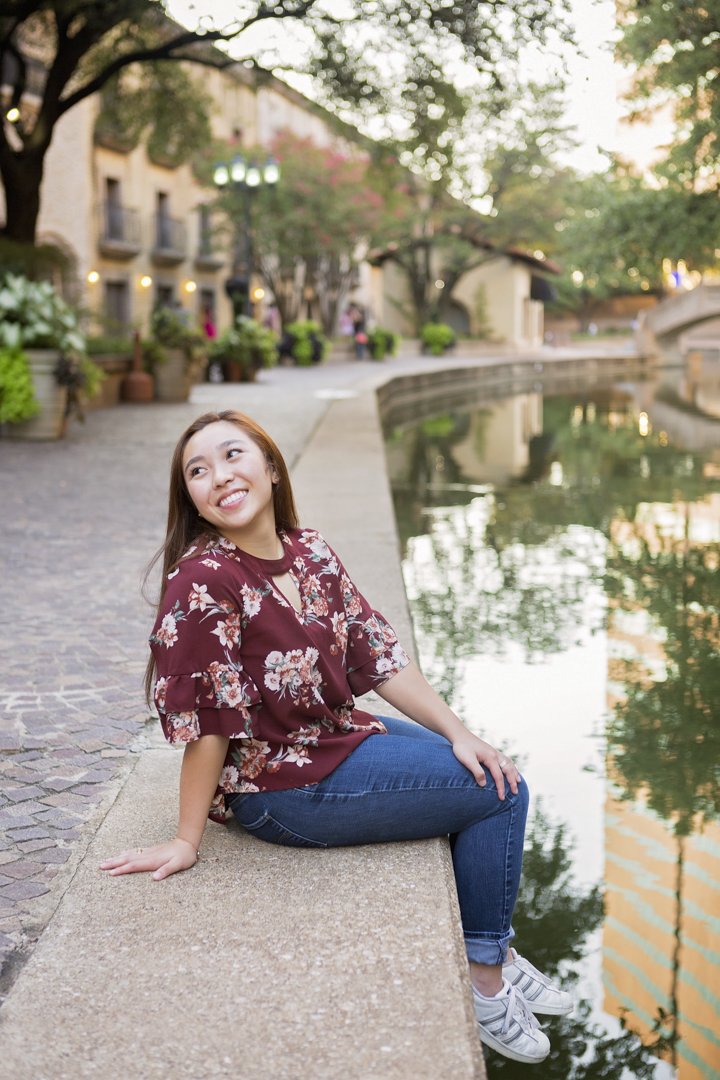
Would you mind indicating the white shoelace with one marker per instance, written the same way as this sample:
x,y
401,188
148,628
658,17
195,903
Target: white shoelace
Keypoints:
x,y
516,1004
530,969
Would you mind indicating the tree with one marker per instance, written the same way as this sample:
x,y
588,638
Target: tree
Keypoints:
x,y
674,49
377,54
309,228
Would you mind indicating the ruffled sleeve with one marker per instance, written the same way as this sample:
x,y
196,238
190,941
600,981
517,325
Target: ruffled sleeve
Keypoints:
x,y
201,687
374,653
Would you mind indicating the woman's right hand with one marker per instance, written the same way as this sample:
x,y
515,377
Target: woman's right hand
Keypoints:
x,y
161,860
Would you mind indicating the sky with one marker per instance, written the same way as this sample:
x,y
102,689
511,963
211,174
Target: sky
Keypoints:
x,y
594,79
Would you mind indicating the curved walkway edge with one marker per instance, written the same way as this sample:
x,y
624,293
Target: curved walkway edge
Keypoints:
x,y
265,962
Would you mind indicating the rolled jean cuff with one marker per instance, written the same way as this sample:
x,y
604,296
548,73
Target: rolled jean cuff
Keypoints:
x,y
488,948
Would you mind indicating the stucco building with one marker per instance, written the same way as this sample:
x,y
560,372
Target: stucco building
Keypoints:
x,y
139,231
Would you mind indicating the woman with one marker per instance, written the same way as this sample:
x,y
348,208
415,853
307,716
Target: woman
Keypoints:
x,y
260,643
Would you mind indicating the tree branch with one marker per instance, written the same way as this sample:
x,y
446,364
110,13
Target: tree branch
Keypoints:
x,y
168,51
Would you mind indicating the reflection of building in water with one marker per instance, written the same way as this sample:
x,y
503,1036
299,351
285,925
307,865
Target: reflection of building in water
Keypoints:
x,y
496,447
663,891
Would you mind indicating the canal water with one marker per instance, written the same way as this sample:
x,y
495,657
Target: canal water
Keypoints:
x,y
560,553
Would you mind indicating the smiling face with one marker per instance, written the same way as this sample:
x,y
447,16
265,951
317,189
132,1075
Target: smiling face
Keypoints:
x,y
230,481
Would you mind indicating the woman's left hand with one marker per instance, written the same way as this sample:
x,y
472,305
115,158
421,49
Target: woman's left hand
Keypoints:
x,y
473,753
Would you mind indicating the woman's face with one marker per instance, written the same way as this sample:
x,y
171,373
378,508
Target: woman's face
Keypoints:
x,y
230,481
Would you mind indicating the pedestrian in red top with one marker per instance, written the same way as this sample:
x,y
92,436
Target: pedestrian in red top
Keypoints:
x,y
260,644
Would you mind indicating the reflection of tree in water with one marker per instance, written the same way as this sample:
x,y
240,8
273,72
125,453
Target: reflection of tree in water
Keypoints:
x,y
506,570
477,599
663,740
553,920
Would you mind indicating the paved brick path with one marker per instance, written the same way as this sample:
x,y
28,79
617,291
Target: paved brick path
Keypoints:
x,y
80,519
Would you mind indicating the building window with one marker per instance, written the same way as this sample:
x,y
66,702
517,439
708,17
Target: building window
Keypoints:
x,y
117,306
165,295
205,237
113,210
164,221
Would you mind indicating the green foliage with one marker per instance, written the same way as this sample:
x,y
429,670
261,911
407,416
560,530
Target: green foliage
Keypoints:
x,y
246,343
172,330
551,911
308,344
405,85
109,345
382,342
17,394
674,50
34,261
154,354
309,226
437,338
34,316
159,102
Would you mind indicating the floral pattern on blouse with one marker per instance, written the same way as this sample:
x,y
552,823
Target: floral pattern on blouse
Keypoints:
x,y
235,658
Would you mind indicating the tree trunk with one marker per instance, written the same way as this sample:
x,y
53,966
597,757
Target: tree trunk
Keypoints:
x,y
22,175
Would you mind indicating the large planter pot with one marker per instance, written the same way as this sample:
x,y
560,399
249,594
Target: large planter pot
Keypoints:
x,y
51,421
172,379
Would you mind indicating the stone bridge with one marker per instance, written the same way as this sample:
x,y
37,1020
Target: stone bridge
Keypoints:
x,y
665,325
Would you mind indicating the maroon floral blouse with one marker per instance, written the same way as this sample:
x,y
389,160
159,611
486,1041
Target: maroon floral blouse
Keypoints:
x,y
235,658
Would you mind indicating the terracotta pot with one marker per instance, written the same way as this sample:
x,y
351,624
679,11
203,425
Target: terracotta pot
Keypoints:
x,y
51,421
137,386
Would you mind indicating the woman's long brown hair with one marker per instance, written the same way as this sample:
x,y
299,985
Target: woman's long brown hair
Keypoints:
x,y
183,523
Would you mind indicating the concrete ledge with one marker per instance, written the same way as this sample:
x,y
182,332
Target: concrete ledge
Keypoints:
x,y
263,962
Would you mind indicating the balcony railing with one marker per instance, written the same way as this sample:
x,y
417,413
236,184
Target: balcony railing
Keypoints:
x,y
207,257
170,240
119,231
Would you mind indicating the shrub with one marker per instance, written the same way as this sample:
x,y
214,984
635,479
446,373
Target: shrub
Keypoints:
x,y
437,338
246,343
305,342
34,316
171,330
382,342
17,394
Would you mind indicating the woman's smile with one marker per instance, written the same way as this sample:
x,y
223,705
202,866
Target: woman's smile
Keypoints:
x,y
233,498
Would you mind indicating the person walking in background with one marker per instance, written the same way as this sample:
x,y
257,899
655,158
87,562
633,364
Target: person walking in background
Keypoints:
x,y
271,319
360,338
260,644
345,327
208,324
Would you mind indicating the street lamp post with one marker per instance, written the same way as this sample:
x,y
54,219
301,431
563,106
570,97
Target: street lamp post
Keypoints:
x,y
244,178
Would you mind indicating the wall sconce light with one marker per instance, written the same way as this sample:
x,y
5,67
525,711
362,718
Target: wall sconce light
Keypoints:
x,y
93,277
146,281
190,286
258,294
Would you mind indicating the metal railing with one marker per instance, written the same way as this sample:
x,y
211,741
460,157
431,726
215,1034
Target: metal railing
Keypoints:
x,y
170,234
119,224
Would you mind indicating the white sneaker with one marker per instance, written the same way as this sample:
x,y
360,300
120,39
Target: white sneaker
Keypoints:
x,y
506,1024
542,997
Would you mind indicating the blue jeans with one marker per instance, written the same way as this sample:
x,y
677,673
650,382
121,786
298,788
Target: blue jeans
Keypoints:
x,y
408,785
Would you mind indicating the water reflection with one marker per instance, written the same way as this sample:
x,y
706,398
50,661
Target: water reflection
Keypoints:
x,y
529,526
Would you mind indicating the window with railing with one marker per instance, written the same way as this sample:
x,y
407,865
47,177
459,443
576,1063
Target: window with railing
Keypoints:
x,y
170,234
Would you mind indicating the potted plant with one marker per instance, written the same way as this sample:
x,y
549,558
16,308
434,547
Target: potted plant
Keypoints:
x,y
382,342
304,342
175,354
243,349
437,338
45,374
